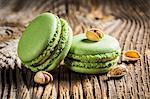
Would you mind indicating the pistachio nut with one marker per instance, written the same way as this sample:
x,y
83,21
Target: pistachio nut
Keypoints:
x,y
94,34
43,77
117,71
131,55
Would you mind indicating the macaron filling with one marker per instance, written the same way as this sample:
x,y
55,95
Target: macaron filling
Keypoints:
x,y
103,57
63,53
90,65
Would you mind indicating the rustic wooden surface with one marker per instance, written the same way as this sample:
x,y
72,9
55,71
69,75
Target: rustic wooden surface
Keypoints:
x,y
127,20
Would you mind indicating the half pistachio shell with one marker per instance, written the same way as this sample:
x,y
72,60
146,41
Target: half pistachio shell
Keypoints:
x,y
43,77
94,34
117,71
131,55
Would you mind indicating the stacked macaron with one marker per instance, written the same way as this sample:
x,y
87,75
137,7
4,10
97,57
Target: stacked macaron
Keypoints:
x,y
45,42
90,57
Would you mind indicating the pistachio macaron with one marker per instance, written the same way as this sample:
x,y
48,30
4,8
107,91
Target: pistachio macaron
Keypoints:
x,y
90,57
45,42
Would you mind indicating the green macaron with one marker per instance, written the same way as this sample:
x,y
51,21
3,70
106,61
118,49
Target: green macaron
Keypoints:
x,y
45,42
90,57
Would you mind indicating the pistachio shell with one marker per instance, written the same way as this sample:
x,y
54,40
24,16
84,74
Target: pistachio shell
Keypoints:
x,y
43,77
117,71
131,55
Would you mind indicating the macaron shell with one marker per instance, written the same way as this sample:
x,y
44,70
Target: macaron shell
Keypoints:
x,y
36,37
51,46
89,71
82,46
56,57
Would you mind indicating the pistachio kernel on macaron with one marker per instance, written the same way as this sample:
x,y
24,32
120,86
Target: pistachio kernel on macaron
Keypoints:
x,y
94,34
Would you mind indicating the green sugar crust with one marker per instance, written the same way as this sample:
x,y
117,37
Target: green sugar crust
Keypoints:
x,y
50,63
102,57
50,48
96,65
36,37
82,46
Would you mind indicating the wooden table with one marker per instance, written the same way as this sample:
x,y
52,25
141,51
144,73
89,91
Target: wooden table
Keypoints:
x,y
127,20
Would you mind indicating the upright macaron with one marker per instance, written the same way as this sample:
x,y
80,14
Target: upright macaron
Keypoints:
x,y
91,57
45,42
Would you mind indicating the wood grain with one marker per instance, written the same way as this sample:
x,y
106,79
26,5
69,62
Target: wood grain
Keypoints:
x,y
127,20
